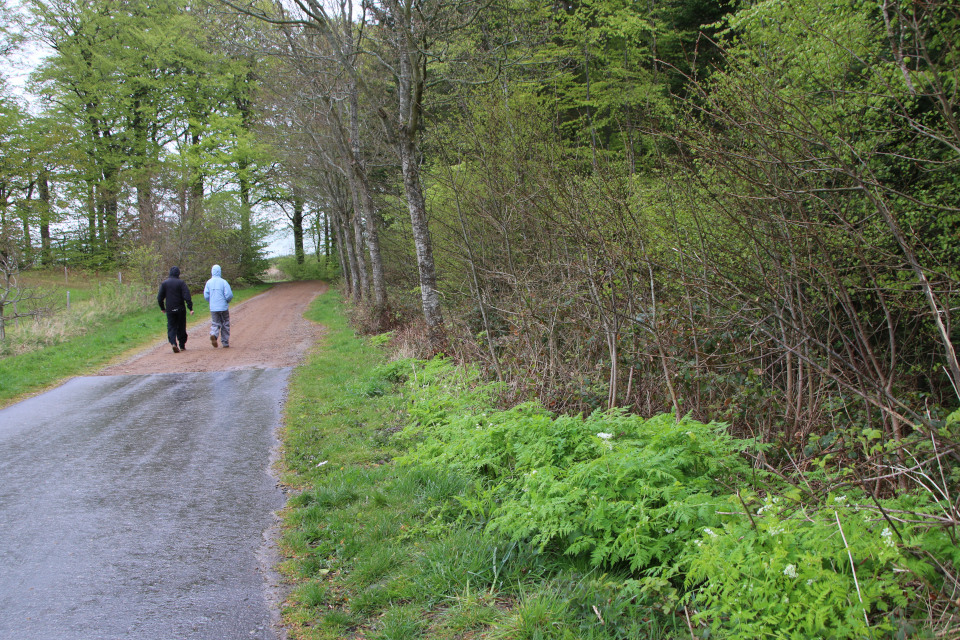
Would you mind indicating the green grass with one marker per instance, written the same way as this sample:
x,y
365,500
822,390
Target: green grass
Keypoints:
x,y
82,284
36,370
377,550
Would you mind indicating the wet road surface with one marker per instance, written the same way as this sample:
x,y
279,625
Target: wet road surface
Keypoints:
x,y
135,507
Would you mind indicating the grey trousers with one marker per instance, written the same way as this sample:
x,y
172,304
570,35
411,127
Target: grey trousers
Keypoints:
x,y
220,324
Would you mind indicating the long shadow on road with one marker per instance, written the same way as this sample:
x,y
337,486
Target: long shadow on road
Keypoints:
x,y
135,507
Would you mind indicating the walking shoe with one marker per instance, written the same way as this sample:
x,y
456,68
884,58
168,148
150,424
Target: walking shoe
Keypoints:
x,y
213,341
226,346
176,349
183,347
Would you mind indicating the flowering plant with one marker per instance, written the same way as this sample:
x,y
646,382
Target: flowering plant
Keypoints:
x,y
796,572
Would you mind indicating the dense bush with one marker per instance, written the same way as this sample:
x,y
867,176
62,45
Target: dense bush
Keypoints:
x,y
323,269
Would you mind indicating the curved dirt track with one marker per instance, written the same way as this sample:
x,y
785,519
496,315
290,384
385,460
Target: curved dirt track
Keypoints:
x,y
266,331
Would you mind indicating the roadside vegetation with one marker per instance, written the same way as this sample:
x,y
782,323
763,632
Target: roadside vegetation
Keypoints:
x,y
735,213
288,268
105,320
429,508
59,308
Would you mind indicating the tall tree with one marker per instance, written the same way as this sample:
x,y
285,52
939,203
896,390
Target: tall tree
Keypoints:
x,y
402,32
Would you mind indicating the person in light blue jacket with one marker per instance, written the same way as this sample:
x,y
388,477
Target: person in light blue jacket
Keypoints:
x,y
218,293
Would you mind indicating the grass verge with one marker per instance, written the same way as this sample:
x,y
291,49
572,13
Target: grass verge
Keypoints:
x,y
34,371
379,550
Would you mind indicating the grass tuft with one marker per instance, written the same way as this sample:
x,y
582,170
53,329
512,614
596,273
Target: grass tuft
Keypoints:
x,y
401,623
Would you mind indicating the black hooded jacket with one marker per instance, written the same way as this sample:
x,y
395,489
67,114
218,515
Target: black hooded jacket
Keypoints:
x,y
174,292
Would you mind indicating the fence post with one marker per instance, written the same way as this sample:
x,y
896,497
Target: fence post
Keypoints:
x,y
68,301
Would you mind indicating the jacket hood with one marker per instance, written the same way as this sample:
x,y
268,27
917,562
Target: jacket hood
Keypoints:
x,y
215,271
174,272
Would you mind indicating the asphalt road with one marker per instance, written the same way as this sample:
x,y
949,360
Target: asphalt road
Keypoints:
x,y
136,507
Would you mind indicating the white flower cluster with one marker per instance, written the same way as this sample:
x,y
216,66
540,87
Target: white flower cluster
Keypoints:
x,y
770,502
709,532
790,571
606,439
887,536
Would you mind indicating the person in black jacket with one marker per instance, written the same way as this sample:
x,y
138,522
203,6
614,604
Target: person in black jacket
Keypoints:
x,y
174,300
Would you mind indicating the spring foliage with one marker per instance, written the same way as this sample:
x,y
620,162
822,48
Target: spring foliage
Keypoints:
x,y
677,509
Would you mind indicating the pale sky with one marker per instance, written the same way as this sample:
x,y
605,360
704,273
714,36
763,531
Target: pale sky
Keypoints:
x,y
24,61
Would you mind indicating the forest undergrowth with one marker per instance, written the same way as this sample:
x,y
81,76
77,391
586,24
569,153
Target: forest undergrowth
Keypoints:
x,y
429,508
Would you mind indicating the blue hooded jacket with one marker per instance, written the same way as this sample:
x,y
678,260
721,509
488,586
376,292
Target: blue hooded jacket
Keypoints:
x,y
217,291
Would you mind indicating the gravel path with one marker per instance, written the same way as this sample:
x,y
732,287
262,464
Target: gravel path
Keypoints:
x,y
266,331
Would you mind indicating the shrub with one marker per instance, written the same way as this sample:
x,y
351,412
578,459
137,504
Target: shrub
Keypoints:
x,y
324,269
787,573
675,515
619,488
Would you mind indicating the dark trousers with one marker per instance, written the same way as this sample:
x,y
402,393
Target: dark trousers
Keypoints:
x,y
177,326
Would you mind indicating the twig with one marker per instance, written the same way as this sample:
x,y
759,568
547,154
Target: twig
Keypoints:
x,y
880,507
853,569
686,612
747,509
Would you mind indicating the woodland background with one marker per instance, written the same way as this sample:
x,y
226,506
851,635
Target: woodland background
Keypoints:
x,y
746,212
740,217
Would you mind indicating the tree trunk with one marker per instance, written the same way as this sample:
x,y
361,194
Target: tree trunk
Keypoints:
x,y
297,222
43,191
429,295
145,206
246,226
360,183
342,254
110,216
373,242
101,214
351,257
245,107
326,235
25,218
140,128
411,82
4,204
195,195
360,258
92,215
